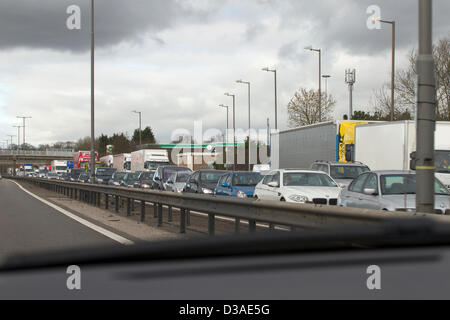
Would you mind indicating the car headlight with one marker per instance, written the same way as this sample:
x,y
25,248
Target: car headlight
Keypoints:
x,y
241,194
100,180
117,183
180,190
298,198
207,191
145,186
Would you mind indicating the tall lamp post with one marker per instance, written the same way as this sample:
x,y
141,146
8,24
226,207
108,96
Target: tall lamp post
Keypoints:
x,y
310,48
226,135
23,118
11,136
92,96
18,135
234,129
140,126
326,77
249,125
392,23
276,93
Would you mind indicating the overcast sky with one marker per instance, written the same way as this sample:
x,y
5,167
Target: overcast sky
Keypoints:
x,y
174,60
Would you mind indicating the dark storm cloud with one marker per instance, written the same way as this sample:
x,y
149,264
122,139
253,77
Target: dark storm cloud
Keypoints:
x,y
343,24
42,24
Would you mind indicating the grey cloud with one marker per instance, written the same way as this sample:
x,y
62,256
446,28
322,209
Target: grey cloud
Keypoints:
x,y
42,24
342,24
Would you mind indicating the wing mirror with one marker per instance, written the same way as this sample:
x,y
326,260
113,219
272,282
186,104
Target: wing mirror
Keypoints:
x,y
170,181
225,185
370,192
273,184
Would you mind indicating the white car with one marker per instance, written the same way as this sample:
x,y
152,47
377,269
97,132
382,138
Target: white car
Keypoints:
x,y
298,186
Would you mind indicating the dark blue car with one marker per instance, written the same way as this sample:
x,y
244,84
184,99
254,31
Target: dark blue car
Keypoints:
x,y
238,184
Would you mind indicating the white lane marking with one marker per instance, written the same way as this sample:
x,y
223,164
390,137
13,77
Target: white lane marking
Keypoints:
x,y
84,222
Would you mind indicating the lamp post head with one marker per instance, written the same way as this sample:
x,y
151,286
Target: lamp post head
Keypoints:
x,y
239,81
308,48
265,69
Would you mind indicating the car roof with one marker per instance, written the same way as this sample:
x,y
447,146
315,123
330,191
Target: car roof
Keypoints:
x,y
299,170
356,163
385,172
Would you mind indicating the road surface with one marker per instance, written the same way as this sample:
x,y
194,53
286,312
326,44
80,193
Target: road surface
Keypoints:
x,y
28,225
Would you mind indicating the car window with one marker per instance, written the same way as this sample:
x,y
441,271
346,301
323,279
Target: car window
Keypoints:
x,y
323,167
228,180
267,179
276,178
356,185
371,182
347,171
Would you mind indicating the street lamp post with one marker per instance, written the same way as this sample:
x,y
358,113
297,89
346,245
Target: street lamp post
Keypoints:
x,y
224,106
18,135
392,23
276,93
326,77
249,125
234,129
92,96
310,48
140,126
23,118
11,137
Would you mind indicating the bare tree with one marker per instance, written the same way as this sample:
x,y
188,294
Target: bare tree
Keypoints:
x,y
405,86
303,109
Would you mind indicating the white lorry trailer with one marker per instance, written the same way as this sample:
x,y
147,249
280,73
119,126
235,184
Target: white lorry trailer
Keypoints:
x,y
326,141
149,160
388,145
59,166
122,162
108,161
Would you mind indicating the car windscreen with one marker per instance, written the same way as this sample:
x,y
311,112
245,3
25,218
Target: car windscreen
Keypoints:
x,y
442,161
183,176
246,179
168,172
310,179
406,184
132,177
347,172
153,165
146,176
105,171
119,176
211,177
61,168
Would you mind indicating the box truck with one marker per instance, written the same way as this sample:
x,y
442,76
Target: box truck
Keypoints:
x,y
327,141
149,160
108,161
122,162
59,166
388,146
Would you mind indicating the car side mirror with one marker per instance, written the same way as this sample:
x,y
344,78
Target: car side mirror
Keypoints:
x,y
157,179
273,184
169,181
370,192
343,186
225,185
413,161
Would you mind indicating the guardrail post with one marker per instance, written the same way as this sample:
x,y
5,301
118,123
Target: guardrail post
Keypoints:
x,y
142,211
128,207
160,215
169,214
182,220
237,224
211,224
188,217
271,226
116,204
75,194
106,201
99,199
132,205
155,210
252,226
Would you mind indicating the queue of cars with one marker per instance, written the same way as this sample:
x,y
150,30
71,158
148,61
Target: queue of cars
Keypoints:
x,y
325,183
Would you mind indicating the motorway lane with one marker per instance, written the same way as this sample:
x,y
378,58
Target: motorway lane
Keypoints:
x,y
28,225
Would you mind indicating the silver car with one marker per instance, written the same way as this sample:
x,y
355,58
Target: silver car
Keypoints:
x,y
391,191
